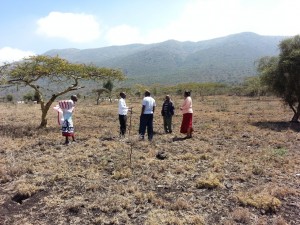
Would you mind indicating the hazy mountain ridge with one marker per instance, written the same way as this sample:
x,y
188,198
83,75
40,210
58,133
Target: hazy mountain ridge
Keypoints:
x,y
225,59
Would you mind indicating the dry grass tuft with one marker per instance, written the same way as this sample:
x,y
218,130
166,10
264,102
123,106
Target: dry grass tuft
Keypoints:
x,y
279,221
180,204
241,215
26,189
210,181
262,200
122,173
165,217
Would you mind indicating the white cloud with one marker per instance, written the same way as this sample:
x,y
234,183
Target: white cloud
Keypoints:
x,y
8,54
207,19
77,28
122,35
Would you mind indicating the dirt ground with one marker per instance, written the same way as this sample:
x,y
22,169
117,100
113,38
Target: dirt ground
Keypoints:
x,y
242,166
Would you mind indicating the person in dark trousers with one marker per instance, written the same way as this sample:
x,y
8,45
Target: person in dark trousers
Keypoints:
x,y
123,109
167,112
146,118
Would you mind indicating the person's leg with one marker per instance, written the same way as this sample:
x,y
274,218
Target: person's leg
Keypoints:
x,y
120,122
67,140
169,122
125,124
150,126
165,124
190,128
189,133
122,119
143,124
183,127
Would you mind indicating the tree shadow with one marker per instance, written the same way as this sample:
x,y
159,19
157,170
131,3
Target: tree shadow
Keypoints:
x,y
16,131
278,125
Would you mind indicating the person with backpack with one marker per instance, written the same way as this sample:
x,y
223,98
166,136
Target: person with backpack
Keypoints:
x,y
167,112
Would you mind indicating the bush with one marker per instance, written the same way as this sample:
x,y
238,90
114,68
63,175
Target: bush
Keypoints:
x,y
9,98
28,97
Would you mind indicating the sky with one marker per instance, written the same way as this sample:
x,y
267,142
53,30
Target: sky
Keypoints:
x,y
32,27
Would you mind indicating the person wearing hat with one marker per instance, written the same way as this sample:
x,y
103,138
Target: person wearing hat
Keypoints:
x,y
123,109
65,109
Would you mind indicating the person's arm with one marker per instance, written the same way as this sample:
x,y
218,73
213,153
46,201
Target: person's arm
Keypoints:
x,y
186,104
153,109
172,108
143,109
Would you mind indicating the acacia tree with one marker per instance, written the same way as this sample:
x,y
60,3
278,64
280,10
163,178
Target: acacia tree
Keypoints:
x,y
282,74
52,75
108,85
99,92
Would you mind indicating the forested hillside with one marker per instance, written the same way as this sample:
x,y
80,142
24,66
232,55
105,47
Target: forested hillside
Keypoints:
x,y
225,59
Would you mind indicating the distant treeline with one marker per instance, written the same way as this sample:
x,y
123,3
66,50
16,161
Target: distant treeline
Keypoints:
x,y
250,87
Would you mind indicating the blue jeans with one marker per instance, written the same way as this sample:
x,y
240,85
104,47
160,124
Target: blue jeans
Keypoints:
x,y
146,120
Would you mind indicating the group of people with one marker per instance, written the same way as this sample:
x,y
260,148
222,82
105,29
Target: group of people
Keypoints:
x,y
66,108
167,111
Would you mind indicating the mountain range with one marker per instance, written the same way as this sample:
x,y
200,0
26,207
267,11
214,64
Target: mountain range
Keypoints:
x,y
226,59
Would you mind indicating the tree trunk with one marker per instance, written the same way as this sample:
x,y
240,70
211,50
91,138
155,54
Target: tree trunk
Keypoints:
x,y
296,114
45,109
44,118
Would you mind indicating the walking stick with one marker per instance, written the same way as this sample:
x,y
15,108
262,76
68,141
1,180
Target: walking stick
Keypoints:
x,y
130,122
131,144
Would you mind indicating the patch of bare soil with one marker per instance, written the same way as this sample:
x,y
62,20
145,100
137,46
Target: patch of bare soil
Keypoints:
x,y
242,166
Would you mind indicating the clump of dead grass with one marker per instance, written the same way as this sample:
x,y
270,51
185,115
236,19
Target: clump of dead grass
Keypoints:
x,y
241,215
26,189
120,219
188,157
180,204
122,173
210,181
166,217
262,200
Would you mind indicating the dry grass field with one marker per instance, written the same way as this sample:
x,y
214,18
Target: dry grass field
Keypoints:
x,y
241,166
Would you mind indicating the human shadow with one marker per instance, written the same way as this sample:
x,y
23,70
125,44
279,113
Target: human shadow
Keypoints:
x,y
278,125
179,139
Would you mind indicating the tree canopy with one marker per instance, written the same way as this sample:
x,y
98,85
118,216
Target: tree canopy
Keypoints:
x,y
282,74
52,76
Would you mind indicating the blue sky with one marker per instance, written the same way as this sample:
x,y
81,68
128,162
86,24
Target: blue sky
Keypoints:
x,y
30,27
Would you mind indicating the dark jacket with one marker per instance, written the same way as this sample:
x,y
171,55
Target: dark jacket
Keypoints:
x,y
167,108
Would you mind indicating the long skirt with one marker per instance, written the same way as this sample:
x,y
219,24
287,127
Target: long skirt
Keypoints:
x,y
187,122
67,128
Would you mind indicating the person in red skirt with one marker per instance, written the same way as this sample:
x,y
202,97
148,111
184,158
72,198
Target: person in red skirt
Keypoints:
x,y
187,118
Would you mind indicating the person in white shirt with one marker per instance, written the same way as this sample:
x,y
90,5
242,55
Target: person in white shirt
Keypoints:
x,y
146,118
123,110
